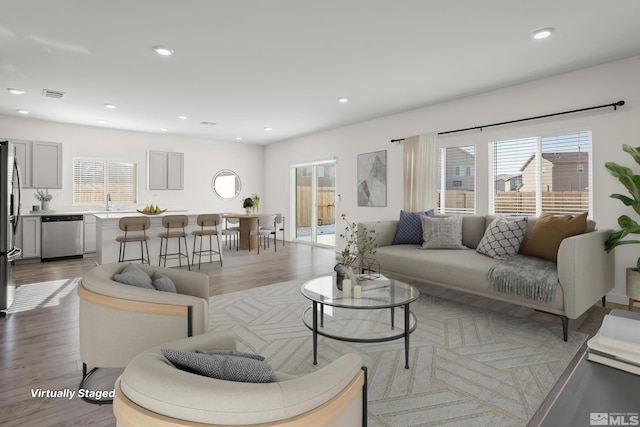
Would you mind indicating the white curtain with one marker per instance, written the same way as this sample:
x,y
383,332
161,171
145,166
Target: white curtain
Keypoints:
x,y
420,172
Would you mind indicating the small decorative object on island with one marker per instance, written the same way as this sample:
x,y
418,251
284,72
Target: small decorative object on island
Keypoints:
x,y
355,251
44,197
151,210
627,225
256,202
247,204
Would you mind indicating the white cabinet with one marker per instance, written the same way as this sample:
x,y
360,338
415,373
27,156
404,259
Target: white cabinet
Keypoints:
x,y
28,236
165,170
89,234
175,167
40,163
46,165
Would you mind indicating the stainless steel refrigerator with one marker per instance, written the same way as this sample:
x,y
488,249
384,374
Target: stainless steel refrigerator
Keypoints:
x,y
10,190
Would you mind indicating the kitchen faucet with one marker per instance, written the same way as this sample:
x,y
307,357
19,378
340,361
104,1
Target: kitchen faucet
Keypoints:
x,y
109,206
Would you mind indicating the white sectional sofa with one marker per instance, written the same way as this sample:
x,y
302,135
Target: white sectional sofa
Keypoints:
x,y
585,270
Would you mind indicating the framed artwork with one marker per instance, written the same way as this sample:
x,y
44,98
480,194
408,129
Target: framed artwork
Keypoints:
x,y
372,179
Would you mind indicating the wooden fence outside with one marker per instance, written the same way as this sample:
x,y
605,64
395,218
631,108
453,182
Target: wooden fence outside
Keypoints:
x,y
326,206
557,202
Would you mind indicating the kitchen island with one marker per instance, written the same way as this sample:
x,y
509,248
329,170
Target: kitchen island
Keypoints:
x,y
107,229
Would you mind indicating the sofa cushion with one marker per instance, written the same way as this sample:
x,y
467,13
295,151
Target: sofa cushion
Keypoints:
x,y
134,276
442,233
222,366
162,282
473,227
549,232
503,238
409,230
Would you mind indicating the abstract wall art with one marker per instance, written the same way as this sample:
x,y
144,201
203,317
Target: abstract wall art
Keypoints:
x,y
372,179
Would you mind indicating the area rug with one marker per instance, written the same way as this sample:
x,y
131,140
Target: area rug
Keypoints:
x,y
41,294
469,366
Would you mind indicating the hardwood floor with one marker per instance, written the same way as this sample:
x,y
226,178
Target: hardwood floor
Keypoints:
x,y
40,347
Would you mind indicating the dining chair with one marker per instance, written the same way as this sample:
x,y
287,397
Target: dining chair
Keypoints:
x,y
231,229
280,223
266,227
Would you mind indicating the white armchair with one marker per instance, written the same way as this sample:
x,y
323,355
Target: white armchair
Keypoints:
x,y
152,391
119,321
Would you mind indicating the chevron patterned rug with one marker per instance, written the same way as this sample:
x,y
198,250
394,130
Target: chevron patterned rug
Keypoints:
x,y
470,366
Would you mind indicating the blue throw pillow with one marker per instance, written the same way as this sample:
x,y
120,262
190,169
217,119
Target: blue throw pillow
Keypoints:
x,y
410,228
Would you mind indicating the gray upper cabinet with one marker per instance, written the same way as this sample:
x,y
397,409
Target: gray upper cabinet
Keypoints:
x,y
165,170
175,168
40,163
46,165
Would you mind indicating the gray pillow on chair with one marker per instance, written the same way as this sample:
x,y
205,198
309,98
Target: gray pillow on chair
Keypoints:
x,y
134,276
162,282
222,367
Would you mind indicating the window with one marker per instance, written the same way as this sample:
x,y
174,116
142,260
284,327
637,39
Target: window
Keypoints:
x,y
538,174
93,179
456,183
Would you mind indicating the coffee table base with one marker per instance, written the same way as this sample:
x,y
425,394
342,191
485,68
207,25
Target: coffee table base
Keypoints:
x,y
410,324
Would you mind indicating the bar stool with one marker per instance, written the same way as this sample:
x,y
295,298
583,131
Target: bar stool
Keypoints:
x,y
134,224
171,222
211,221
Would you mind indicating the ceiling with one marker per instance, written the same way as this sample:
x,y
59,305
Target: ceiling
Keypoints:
x,y
247,65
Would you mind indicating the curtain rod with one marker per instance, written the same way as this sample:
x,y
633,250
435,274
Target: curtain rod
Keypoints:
x,y
615,106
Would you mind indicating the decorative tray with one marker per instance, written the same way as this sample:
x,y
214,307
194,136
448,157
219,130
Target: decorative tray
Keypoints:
x,y
152,213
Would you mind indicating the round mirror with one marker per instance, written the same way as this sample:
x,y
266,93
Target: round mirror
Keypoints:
x,y
226,184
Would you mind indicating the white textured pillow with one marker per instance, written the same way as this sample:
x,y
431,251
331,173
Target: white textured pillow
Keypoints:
x,y
442,233
503,237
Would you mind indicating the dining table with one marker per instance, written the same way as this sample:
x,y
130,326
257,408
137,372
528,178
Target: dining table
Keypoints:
x,y
248,222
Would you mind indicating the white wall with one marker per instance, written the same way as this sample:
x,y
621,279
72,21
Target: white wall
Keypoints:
x,y
598,85
202,159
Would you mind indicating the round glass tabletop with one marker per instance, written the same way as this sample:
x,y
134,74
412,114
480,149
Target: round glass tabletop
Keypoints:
x,y
390,293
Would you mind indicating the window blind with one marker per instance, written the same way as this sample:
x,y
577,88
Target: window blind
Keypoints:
x,y
94,178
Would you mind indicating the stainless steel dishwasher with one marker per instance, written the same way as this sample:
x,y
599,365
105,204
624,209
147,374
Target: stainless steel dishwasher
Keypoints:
x,y
62,236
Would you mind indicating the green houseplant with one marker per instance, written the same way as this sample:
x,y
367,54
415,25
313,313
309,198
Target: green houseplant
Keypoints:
x,y
631,182
627,225
44,198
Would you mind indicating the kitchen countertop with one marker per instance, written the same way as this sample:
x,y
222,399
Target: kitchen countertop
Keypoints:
x,y
120,214
56,212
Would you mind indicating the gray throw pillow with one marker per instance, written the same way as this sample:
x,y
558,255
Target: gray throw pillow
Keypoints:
x,y
162,282
223,367
233,353
442,233
134,276
503,237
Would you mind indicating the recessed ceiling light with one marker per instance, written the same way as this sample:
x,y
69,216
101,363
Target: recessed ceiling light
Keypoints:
x,y
15,91
543,33
101,121
238,138
343,100
23,111
268,129
163,51
110,106
164,130
182,117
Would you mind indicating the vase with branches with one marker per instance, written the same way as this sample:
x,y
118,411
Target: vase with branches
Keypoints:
x,y
356,250
44,198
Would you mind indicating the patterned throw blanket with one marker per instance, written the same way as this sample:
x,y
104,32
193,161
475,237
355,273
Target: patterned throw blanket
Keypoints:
x,y
525,276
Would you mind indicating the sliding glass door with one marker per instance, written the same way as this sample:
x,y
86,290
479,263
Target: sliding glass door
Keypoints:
x,y
315,203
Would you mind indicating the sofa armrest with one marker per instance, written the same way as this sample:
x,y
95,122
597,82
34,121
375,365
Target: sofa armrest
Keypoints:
x,y
585,271
385,230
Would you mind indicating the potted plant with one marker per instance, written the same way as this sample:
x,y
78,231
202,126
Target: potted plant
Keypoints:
x,y
256,202
44,197
247,204
356,250
627,225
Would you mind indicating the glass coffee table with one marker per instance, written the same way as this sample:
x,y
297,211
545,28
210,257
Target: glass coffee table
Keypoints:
x,y
360,320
